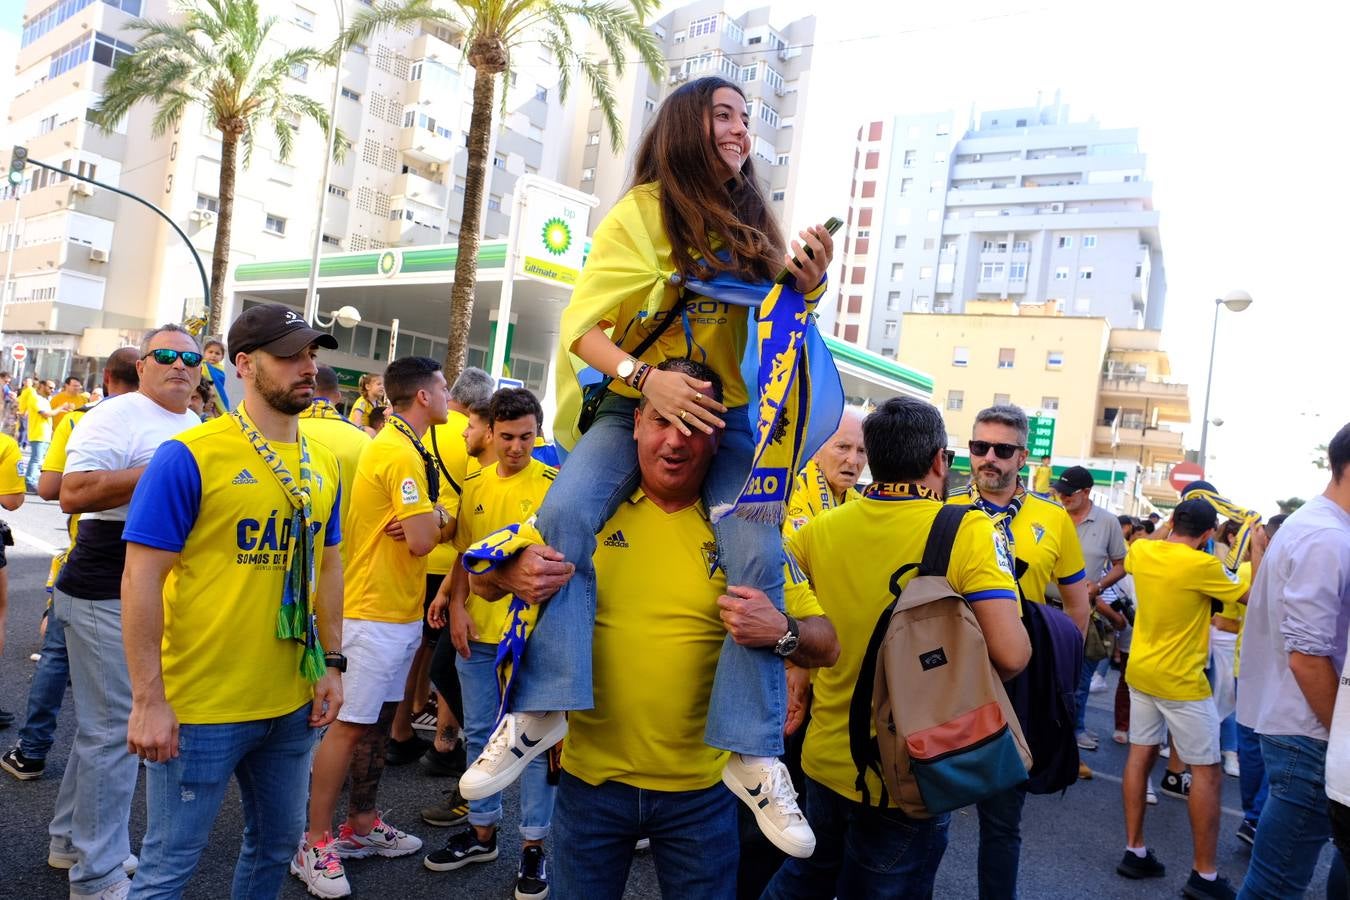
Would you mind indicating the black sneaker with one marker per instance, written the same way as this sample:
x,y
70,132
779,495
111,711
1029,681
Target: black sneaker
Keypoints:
x,y
400,753
450,811
463,848
1247,832
1198,888
1174,785
22,767
532,878
1146,866
445,763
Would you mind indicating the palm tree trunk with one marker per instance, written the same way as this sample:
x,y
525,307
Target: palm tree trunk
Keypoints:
x,y
220,253
475,180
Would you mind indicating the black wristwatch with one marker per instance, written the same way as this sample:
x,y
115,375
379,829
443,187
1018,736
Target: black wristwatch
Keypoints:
x,y
335,661
787,644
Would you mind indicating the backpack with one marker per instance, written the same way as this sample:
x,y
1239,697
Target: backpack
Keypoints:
x,y
1043,696
946,734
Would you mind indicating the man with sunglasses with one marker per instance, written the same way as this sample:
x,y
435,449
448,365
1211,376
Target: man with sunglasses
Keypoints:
x,y
106,457
1045,546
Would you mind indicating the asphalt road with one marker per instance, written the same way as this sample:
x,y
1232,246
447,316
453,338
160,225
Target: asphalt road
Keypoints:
x,y
1071,844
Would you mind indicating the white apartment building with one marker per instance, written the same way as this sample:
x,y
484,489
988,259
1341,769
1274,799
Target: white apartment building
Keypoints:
x,y
771,64
1025,205
91,269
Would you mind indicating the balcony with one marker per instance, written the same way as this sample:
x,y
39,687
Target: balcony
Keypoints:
x,y
424,191
1163,442
1172,401
426,146
1155,486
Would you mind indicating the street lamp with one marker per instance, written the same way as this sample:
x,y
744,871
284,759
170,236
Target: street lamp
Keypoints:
x,y
311,290
347,317
1236,301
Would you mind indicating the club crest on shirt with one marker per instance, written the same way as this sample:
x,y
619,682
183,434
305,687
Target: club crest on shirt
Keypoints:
x,y
1001,553
526,506
409,492
709,550
1038,531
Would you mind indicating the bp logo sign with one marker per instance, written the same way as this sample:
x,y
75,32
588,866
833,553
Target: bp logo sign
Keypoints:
x,y
388,264
557,236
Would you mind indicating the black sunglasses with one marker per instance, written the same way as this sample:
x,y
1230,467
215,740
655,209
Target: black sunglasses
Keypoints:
x,y
166,357
1002,451
950,456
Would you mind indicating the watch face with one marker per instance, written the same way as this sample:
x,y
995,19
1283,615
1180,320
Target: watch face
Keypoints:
x,y
626,368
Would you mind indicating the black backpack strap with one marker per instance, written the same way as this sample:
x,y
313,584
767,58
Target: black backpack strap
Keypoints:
x,y
937,552
440,463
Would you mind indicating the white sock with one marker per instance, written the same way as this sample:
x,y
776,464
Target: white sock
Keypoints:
x,y
1140,852
766,761
1208,876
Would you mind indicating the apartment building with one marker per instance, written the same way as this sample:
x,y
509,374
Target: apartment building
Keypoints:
x,y
771,64
91,269
1108,389
1021,205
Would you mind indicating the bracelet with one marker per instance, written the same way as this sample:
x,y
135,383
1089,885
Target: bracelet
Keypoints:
x,y
640,376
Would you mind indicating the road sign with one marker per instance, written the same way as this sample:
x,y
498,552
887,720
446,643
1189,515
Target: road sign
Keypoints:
x,y
1184,473
18,353
1040,437
505,382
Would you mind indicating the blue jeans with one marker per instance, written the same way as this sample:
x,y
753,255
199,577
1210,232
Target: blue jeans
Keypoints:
x,y
270,758
862,852
1000,844
93,806
37,452
1228,740
478,683
749,697
46,692
1294,824
1080,697
693,834
1252,778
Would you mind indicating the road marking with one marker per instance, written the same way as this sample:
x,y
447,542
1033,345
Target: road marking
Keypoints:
x,y
37,543
1116,778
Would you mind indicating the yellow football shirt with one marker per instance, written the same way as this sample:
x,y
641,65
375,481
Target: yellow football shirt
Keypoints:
x,y
1244,574
324,425
890,533
811,496
491,502
1173,584
446,443
1046,540
55,460
76,400
39,426
658,636
1043,477
386,583
210,498
12,466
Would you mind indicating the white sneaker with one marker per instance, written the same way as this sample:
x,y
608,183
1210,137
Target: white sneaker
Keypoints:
x,y
1230,763
384,840
1149,797
65,859
769,793
118,891
1097,685
517,740
643,844
321,870
1165,751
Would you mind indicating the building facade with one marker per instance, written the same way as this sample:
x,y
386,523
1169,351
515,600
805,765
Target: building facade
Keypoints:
x,y
770,63
1023,205
91,269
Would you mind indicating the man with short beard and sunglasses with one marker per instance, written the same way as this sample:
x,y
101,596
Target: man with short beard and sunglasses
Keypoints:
x,y
233,590
1045,546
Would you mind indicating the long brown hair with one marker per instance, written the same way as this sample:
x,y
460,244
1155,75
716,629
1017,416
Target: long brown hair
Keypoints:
x,y
697,201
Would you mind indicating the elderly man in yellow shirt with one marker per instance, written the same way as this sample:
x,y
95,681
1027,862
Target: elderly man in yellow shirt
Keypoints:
x,y
830,479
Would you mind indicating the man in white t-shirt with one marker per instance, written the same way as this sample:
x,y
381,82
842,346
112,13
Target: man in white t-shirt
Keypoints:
x,y
105,459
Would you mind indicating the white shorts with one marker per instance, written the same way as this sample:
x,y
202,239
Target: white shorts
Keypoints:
x,y
379,655
1194,726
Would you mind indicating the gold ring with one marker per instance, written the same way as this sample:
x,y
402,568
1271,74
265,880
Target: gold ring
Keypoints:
x,y
684,414
698,398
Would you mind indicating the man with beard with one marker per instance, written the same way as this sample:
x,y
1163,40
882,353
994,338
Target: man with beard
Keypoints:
x,y
234,591
830,478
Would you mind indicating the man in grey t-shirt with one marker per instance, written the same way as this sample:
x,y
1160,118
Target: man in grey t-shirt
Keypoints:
x,y
1104,563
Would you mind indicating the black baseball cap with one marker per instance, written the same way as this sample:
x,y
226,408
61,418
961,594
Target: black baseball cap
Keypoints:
x,y
1194,517
279,330
1074,478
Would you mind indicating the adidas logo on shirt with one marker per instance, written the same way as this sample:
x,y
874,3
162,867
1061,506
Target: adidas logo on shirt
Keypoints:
x,y
244,477
616,540
478,510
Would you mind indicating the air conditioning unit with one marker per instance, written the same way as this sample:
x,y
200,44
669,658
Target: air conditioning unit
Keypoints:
x,y
1057,207
204,216
82,189
99,256
784,53
679,77
780,91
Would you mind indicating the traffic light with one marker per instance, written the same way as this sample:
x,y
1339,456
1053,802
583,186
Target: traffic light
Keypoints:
x,y
17,160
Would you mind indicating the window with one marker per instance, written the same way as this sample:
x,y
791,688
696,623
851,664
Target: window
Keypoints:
x,y
1061,273
956,400
415,71
768,114
990,271
949,246
303,17
275,225
1021,246
704,25
339,192
892,301
47,125
858,276
1065,242
1017,271
1050,403
332,240
1085,273
593,139
1082,305
781,160
210,204
300,71
897,271
869,189
936,185
649,105
459,184
109,51
750,72
499,161
1054,359
923,303
925,272
494,203
1138,270
1002,399
351,94
1089,241
900,240
890,328
960,356
929,243
906,185
1005,357
910,156
540,92
778,195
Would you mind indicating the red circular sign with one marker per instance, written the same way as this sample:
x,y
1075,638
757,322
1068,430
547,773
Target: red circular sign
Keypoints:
x,y
18,353
1184,473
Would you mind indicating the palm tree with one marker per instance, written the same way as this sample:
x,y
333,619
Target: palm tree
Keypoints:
x,y
493,30
217,57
